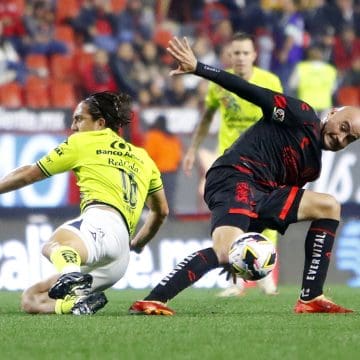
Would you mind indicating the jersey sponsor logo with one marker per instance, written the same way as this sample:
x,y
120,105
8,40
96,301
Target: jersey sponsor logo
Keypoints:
x,y
59,151
278,114
178,268
123,163
209,68
317,251
111,152
117,144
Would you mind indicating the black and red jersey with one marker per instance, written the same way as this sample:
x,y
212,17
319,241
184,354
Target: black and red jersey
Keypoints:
x,y
282,148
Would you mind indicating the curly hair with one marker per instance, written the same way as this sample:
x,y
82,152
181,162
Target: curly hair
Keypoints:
x,y
115,108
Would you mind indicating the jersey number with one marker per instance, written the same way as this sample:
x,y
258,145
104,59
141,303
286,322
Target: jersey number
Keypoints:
x,y
129,187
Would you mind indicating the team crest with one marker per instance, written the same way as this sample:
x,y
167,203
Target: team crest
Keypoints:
x,y
278,114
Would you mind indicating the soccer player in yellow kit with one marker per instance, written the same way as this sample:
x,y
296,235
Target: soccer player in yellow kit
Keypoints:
x,y
116,179
237,115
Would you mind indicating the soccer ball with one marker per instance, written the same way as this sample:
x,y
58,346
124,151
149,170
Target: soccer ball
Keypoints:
x,y
252,256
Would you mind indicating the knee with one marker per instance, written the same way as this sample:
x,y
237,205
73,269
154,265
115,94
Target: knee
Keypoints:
x,y
46,250
328,208
49,247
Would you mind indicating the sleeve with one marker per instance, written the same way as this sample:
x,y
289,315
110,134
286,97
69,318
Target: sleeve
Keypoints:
x,y
275,105
62,158
155,180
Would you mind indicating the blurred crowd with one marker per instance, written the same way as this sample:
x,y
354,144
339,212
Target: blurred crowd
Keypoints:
x,y
54,52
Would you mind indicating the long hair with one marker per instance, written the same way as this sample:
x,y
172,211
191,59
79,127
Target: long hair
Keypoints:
x,y
115,108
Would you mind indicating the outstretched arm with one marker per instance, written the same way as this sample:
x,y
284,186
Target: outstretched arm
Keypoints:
x,y
20,177
197,139
182,52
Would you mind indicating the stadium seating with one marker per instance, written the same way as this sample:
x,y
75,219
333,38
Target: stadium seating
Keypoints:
x,y
66,34
37,64
62,95
118,5
66,11
11,95
62,67
348,95
17,6
162,36
36,93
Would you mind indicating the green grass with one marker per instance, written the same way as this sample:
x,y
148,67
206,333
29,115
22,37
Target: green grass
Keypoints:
x,y
205,327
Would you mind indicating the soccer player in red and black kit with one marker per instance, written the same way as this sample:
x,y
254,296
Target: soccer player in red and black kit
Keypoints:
x,y
258,182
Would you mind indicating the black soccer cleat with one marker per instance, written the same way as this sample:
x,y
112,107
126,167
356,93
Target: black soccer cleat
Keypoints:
x,y
74,283
90,304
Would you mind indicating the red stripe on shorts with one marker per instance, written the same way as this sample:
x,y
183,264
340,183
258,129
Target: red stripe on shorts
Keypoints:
x,y
289,201
243,212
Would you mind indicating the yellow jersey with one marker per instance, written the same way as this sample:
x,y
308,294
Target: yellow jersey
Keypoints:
x,y
108,169
237,114
317,81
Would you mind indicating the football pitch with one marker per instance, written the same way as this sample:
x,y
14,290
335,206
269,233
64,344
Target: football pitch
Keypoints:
x,y
254,326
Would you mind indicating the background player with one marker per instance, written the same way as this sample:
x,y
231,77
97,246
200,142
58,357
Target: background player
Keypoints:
x,y
116,179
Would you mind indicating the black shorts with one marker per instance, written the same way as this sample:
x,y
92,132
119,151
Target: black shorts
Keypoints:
x,y
235,199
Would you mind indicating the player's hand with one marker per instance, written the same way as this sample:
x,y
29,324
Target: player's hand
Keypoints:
x,y
182,52
188,162
230,273
135,247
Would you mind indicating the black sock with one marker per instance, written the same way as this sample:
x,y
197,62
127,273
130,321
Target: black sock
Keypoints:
x,y
318,245
190,270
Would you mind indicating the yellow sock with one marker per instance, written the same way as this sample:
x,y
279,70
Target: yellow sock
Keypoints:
x,y
66,259
64,306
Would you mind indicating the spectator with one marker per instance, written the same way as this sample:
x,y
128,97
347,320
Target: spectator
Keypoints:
x,y
204,50
13,27
176,94
342,14
289,37
40,27
221,34
135,23
95,23
346,48
124,65
156,91
148,66
318,21
352,75
97,75
182,11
